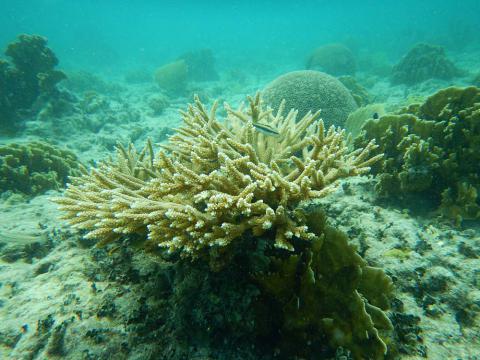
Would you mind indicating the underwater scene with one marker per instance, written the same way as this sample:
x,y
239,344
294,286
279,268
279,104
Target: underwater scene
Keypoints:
x,y
239,180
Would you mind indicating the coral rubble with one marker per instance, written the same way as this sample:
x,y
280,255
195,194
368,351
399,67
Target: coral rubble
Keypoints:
x,y
310,90
432,150
230,196
423,62
35,167
30,74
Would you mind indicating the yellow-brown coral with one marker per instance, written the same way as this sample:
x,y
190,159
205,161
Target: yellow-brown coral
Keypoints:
x,y
215,180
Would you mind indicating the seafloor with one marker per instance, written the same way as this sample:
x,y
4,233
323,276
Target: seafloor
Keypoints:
x,y
62,298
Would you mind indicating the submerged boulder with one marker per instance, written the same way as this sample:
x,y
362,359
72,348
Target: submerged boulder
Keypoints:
x,y
423,62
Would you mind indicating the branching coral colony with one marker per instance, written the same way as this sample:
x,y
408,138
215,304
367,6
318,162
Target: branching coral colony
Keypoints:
x,y
217,184
215,180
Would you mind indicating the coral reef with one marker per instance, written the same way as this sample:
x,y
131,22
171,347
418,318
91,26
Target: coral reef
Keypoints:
x,y
224,196
432,150
200,65
309,90
29,75
423,62
359,93
172,77
356,119
158,103
476,80
196,65
334,59
35,167
191,197
83,81
138,76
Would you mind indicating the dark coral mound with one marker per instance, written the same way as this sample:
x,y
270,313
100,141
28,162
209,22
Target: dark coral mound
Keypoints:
x,y
432,152
28,75
423,62
200,65
35,167
255,301
334,59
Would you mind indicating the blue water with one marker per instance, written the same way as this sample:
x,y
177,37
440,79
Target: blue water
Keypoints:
x,y
111,36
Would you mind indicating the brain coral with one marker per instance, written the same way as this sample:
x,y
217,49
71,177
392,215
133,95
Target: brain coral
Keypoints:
x,y
334,59
309,90
423,62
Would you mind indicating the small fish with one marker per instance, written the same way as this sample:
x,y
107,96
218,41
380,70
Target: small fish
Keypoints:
x,y
375,115
265,129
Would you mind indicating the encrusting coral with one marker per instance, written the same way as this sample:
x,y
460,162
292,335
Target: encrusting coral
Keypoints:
x,y
234,196
216,180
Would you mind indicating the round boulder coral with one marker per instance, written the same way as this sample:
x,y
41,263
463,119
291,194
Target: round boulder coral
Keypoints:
x,y
334,59
309,90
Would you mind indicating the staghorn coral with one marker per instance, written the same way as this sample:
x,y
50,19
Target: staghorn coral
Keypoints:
x,y
309,90
432,150
215,180
222,195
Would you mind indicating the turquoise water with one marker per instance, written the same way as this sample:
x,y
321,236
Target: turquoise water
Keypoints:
x,y
113,35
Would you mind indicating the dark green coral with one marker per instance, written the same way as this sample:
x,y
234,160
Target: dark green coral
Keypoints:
x,y
326,293
30,74
35,167
432,151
